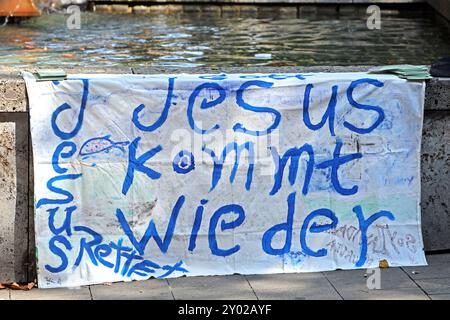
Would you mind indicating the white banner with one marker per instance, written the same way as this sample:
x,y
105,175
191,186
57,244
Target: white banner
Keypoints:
x,y
140,176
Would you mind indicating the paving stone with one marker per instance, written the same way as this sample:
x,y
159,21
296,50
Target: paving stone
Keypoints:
x,y
391,278
440,297
438,258
433,271
4,294
52,294
152,289
293,286
435,286
388,294
211,288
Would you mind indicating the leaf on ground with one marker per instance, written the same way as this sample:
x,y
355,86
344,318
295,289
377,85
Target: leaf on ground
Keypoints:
x,y
17,286
383,264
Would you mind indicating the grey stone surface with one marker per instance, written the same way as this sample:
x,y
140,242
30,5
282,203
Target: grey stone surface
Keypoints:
x,y
246,8
211,288
433,271
21,231
355,280
438,268
52,294
390,294
4,294
435,167
435,286
440,297
152,289
12,93
434,259
437,95
347,285
293,286
32,272
13,197
7,199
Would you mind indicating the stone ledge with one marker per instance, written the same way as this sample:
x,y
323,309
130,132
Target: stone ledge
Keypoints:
x,y
13,92
13,96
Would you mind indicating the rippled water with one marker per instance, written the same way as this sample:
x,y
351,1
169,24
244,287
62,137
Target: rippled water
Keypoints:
x,y
184,40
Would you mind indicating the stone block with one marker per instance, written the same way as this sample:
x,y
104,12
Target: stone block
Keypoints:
x,y
7,199
211,10
436,271
4,294
288,12
437,96
212,288
292,286
191,8
52,294
391,294
246,11
13,96
106,8
356,280
121,8
435,286
13,197
157,9
435,171
440,297
152,289
229,11
140,9
174,8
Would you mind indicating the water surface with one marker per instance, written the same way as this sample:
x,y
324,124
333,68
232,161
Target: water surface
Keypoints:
x,y
190,40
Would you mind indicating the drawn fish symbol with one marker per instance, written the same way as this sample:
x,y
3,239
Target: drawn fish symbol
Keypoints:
x,y
101,144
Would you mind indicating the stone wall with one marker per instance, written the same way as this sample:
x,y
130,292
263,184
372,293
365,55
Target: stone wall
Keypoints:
x,y
233,6
17,249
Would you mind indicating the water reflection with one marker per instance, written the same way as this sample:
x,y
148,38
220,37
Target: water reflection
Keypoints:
x,y
188,40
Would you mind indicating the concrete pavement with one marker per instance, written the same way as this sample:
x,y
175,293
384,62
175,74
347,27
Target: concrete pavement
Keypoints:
x,y
417,283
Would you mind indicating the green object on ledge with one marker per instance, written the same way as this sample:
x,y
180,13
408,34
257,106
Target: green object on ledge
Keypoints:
x,y
404,71
50,75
